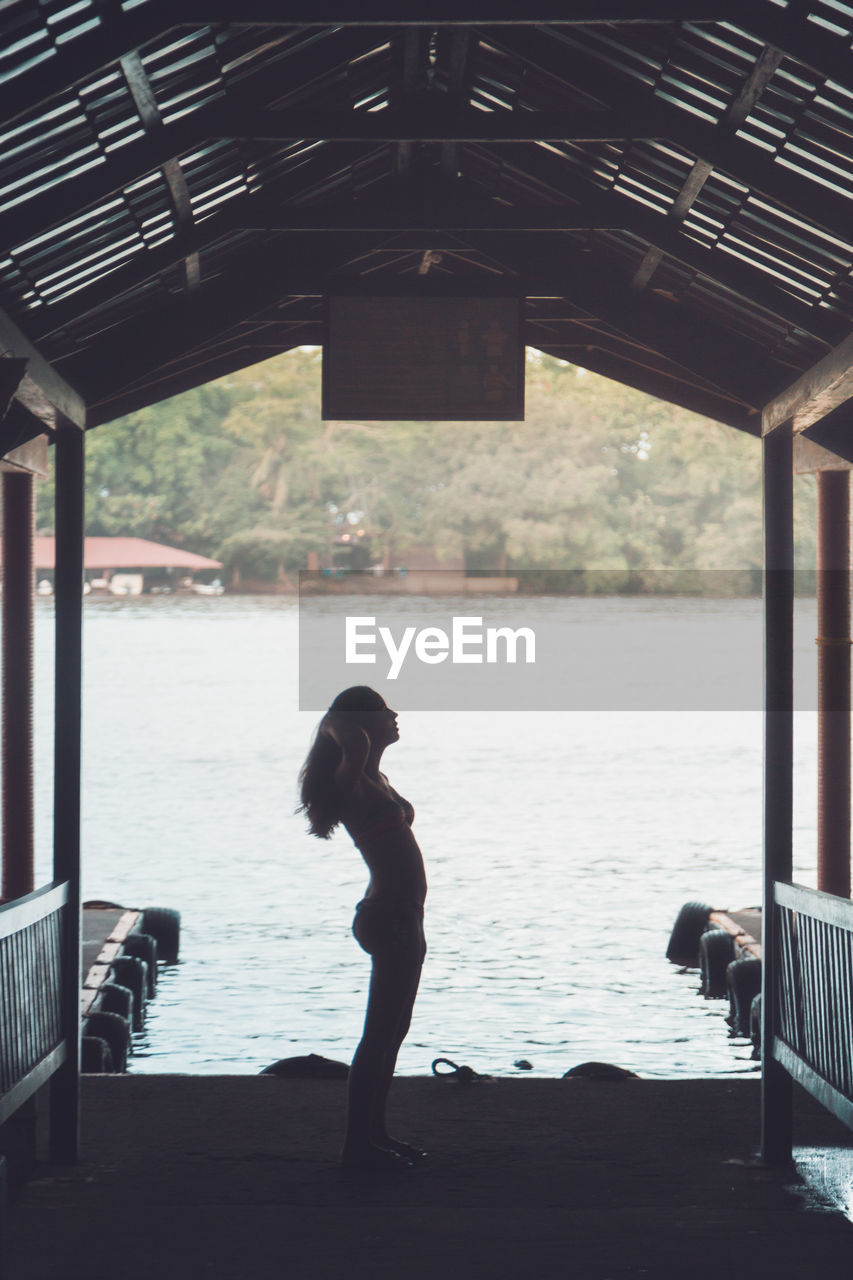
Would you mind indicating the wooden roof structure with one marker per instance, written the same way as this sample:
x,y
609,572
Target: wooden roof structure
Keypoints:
x,y
667,184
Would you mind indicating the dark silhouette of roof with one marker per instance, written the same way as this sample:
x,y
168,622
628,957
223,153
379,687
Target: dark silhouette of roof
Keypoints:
x,y
668,185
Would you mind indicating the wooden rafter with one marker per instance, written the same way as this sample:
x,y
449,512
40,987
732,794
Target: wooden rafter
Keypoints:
x,y
444,13
740,160
148,111
820,391
117,33
167,144
412,60
142,345
725,360
42,391
458,44
654,382
823,52
737,112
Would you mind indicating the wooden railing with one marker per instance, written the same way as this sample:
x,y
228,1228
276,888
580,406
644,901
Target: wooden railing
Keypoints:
x,y
32,1046
814,1005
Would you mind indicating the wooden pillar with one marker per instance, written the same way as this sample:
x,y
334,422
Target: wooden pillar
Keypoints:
x,y
776,1094
68,593
833,659
17,679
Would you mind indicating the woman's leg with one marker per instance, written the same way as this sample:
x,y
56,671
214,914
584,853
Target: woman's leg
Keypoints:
x,y
391,994
378,1126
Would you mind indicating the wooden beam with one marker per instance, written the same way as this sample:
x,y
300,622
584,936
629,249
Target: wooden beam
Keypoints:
x,y
43,391
615,210
200,371
457,47
736,113
706,350
18,428
11,375
739,367
31,457
435,120
73,196
139,87
444,13
811,458
743,161
422,208
655,383
69,522
822,51
164,144
834,434
596,335
116,34
152,263
818,392
156,339
412,46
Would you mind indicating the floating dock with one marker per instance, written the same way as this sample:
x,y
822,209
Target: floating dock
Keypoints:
x,y
122,951
725,946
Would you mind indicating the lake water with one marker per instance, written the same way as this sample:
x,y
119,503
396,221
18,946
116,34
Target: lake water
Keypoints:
x,y
559,848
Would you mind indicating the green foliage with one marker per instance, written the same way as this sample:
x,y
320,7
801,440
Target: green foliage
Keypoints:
x,y
598,478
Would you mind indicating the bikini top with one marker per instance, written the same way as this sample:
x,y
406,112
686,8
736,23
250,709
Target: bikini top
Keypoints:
x,y
392,812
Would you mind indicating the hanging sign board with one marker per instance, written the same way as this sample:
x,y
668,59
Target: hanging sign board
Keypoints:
x,y
433,359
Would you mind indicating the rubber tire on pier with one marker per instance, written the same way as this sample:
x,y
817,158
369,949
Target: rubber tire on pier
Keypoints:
x,y
743,980
716,952
115,1029
130,971
164,925
755,1025
96,1058
683,946
144,947
114,998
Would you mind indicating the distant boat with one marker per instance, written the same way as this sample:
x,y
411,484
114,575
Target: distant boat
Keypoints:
x,y
214,588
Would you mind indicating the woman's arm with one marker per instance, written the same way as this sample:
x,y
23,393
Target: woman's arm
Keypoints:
x,y
355,748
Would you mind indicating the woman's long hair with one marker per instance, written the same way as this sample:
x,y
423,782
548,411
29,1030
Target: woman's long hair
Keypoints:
x,y
317,790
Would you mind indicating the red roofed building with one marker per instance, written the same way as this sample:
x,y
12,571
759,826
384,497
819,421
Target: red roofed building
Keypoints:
x,y
128,565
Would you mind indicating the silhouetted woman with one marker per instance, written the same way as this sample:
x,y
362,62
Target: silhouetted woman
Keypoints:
x,y
341,782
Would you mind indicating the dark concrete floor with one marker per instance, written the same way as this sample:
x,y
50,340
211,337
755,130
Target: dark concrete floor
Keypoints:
x,y
236,1178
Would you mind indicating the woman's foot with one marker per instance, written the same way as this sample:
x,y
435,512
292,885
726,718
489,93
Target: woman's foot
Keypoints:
x,y
370,1159
405,1149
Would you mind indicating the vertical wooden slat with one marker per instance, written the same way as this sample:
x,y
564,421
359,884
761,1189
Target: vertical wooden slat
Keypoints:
x,y
6,1015
30,974
809,1037
842,1013
16,758
68,590
833,662
834,1007
778,502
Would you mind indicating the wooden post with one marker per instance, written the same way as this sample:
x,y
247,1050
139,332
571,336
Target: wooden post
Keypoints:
x,y
776,1093
833,664
17,764
68,591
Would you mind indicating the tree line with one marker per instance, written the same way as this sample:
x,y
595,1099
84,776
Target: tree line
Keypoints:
x,y
598,477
